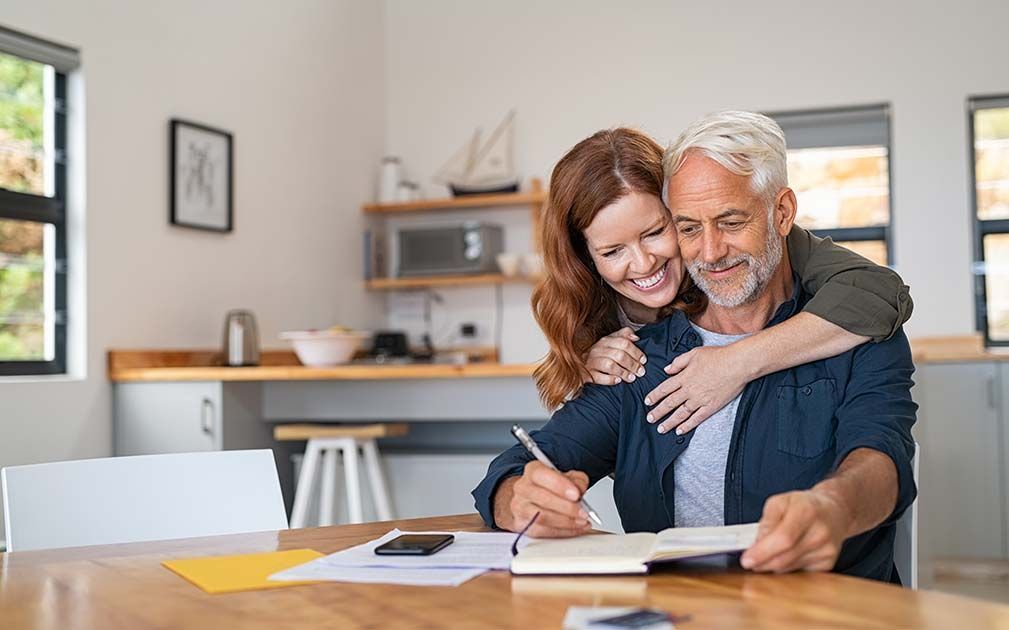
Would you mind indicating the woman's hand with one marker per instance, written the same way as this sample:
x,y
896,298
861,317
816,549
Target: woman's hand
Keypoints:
x,y
701,382
615,358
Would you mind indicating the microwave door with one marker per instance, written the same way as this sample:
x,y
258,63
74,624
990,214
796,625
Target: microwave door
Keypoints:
x,y
427,252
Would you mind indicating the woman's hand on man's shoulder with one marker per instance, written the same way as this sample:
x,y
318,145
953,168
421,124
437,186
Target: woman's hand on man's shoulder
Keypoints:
x,y
615,359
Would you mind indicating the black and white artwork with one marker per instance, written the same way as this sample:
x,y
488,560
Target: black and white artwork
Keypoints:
x,y
201,176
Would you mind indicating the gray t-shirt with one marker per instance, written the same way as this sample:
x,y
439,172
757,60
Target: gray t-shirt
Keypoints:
x,y
699,471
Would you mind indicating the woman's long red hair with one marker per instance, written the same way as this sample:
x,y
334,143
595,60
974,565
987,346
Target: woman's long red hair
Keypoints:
x,y
572,304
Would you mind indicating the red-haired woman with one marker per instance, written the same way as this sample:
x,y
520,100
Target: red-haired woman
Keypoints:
x,y
604,209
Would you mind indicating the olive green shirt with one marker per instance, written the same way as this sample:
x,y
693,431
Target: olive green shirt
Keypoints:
x,y
848,290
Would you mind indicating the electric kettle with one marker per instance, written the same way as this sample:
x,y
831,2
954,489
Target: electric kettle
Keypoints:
x,y
241,339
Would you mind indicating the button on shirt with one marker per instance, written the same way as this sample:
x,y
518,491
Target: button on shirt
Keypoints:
x,y
699,472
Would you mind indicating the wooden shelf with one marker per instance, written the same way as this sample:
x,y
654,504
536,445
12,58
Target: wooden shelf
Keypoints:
x,y
389,284
536,197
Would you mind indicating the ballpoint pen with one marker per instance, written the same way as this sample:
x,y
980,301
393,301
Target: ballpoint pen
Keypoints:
x,y
531,446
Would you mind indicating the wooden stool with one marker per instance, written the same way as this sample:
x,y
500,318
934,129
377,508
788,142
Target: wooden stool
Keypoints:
x,y
326,440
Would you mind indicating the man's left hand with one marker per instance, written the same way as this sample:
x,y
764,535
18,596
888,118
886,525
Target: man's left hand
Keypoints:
x,y
798,531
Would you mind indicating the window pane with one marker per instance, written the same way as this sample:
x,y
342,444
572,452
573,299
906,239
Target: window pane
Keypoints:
x,y
22,125
991,162
26,289
873,250
996,256
840,187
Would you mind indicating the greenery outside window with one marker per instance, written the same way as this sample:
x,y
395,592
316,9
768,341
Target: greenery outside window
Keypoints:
x,y
988,123
839,168
33,185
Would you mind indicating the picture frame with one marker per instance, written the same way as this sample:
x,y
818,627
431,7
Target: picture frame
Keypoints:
x,y
201,177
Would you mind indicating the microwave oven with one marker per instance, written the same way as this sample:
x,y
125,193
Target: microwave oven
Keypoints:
x,y
462,249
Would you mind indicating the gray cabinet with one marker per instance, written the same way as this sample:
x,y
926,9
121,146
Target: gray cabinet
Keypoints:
x,y
962,487
167,418
183,417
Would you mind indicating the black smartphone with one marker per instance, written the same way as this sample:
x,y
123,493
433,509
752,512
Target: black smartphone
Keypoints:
x,y
415,545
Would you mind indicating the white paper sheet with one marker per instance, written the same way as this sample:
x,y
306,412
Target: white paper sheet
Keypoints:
x,y
470,555
470,550
378,575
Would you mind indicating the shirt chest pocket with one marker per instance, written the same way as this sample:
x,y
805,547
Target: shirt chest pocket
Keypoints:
x,y
806,418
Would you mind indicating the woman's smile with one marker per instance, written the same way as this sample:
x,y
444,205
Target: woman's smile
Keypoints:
x,y
654,282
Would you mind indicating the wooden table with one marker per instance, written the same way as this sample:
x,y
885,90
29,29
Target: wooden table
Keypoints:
x,y
124,586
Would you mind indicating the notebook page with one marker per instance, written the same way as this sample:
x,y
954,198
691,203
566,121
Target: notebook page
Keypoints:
x,y
704,540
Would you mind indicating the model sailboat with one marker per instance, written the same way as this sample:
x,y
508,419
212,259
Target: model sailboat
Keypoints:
x,y
477,169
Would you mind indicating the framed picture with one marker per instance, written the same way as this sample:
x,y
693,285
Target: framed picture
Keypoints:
x,y
201,178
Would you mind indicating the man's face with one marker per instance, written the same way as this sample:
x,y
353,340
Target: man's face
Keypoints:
x,y
730,244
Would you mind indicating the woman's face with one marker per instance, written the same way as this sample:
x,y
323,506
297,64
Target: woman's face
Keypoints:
x,y
633,245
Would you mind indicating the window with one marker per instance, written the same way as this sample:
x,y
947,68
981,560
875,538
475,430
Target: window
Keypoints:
x,y
839,168
988,122
33,184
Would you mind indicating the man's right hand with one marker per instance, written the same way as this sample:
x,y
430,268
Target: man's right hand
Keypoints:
x,y
553,494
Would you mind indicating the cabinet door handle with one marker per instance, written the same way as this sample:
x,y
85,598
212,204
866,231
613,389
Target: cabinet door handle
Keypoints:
x,y
990,386
207,416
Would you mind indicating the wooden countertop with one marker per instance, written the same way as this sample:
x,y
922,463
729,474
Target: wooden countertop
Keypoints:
x,y
125,586
125,366
955,349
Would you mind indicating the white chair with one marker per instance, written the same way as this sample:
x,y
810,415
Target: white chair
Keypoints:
x,y
325,443
905,544
146,497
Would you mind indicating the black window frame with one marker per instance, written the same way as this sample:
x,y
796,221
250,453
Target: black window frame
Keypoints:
x,y
43,209
980,228
870,233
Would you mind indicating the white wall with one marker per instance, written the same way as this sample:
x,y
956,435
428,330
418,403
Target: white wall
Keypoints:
x,y
572,68
299,84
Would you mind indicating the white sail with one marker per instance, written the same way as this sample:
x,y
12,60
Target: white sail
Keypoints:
x,y
493,164
459,165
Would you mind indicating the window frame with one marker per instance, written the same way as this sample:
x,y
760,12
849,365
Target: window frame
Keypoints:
x,y
42,209
981,228
871,233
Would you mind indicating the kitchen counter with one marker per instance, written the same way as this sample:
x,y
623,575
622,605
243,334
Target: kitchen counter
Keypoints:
x,y
132,366
955,349
126,366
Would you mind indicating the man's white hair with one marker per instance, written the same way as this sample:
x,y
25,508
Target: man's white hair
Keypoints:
x,y
745,143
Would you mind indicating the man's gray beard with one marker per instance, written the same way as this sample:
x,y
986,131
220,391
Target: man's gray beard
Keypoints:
x,y
759,272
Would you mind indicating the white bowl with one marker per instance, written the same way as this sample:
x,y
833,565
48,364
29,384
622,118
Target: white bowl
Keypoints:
x,y
533,265
508,264
319,348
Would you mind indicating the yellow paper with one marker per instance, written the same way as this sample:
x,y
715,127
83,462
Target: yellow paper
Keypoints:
x,y
229,574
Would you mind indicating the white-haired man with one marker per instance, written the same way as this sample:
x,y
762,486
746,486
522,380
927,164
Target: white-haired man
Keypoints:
x,y
819,454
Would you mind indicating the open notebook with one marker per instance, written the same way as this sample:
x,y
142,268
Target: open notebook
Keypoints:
x,y
629,553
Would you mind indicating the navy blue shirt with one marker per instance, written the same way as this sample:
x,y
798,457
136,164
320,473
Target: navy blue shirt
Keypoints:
x,y
793,428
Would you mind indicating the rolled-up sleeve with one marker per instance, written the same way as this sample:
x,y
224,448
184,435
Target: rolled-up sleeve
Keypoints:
x,y
849,290
581,435
877,411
